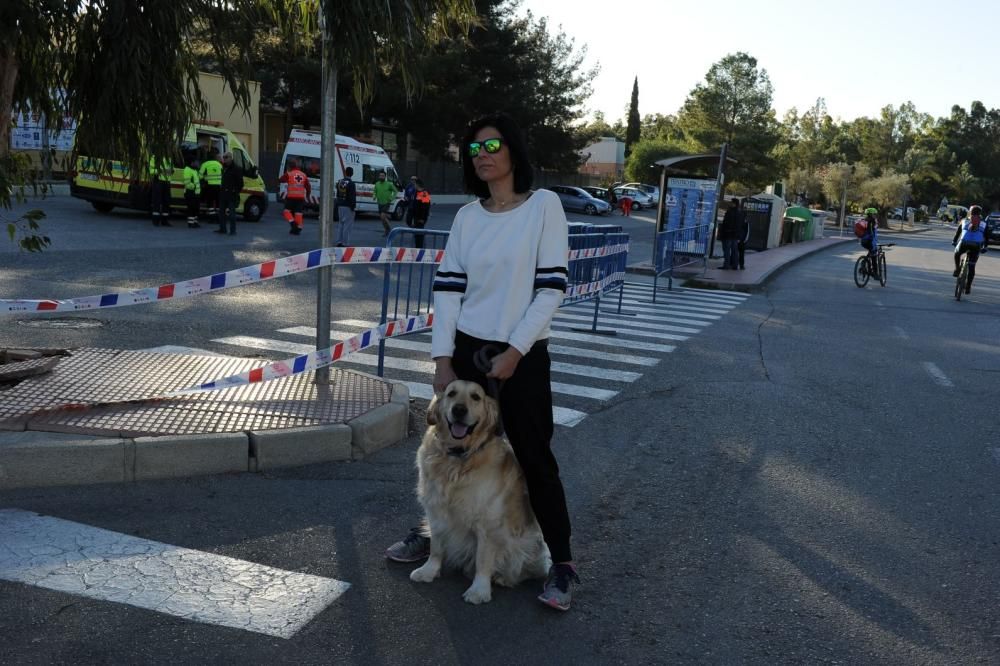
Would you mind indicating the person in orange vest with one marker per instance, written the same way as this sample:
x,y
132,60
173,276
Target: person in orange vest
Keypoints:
x,y
295,196
421,208
626,205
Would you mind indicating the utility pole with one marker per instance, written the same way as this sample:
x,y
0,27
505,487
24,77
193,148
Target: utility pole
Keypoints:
x,y
326,206
843,203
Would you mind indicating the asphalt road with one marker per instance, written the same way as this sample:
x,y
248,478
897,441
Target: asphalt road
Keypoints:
x,y
811,479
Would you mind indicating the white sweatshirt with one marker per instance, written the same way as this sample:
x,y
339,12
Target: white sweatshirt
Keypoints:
x,y
503,274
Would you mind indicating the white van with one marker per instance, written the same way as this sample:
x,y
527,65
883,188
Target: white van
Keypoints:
x,y
368,161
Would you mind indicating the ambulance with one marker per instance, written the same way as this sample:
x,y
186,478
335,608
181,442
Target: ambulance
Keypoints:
x,y
367,160
107,184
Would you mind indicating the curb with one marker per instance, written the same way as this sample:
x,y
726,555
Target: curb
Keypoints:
x,y
760,284
31,458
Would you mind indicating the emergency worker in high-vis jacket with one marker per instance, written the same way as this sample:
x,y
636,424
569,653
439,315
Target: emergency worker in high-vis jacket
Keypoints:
x,y
298,188
211,182
160,170
192,192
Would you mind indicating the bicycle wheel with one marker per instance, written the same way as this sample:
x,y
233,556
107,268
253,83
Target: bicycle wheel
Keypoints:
x,y
861,271
963,274
881,269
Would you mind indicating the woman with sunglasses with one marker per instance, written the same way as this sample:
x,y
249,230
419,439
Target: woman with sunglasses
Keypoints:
x,y
501,280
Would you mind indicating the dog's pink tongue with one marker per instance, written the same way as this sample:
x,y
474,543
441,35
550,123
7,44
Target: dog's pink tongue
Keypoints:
x,y
458,430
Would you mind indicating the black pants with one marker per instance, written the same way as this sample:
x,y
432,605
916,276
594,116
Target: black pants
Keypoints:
x,y
973,250
228,203
193,202
526,408
159,203
210,195
416,223
742,248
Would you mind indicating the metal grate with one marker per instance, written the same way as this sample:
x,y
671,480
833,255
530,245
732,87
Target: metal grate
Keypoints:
x,y
109,375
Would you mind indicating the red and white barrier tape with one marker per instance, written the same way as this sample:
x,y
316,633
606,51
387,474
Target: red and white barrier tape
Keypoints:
x,y
267,270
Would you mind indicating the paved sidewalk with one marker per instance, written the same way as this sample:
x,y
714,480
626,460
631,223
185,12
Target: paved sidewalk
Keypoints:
x,y
760,266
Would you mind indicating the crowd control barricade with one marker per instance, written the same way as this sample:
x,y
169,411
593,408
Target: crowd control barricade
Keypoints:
x,y
680,247
407,288
596,268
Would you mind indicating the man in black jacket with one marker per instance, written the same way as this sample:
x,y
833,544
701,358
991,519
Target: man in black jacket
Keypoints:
x,y
229,194
729,234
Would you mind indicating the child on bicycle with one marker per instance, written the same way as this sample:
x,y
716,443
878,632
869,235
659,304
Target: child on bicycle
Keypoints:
x,y
970,236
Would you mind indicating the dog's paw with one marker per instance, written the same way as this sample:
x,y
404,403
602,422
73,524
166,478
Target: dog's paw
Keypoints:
x,y
424,574
478,594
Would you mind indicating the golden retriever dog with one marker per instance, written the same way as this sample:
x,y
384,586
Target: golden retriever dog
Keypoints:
x,y
475,498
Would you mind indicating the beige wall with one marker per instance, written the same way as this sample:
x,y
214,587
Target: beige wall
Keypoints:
x,y
220,101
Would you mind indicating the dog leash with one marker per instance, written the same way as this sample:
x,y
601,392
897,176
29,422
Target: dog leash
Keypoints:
x,y
483,360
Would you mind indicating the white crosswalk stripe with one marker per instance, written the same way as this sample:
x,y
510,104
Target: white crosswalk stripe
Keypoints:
x,y
588,367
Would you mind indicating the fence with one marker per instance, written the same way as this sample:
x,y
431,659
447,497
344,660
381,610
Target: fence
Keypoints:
x,y
596,268
676,248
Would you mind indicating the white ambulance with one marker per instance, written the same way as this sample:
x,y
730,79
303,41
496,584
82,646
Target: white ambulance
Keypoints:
x,y
367,160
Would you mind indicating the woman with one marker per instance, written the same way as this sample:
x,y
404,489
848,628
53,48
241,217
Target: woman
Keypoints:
x,y
501,280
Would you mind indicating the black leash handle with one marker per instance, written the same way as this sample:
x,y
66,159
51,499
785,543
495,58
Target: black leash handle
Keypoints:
x,y
483,360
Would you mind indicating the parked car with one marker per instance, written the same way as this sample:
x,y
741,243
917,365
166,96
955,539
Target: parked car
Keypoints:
x,y
993,227
640,199
597,192
651,190
578,199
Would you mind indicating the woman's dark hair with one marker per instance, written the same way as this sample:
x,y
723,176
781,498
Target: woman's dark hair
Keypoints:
x,y
513,138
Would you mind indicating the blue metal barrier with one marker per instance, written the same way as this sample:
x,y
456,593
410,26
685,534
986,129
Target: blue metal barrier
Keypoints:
x,y
676,248
412,292
407,289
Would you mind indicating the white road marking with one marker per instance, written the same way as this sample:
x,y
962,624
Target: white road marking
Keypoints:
x,y
203,587
425,347
677,304
938,375
649,311
615,322
626,331
605,341
720,294
560,415
410,365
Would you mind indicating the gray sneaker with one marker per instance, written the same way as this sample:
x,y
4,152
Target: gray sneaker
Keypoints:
x,y
415,547
556,592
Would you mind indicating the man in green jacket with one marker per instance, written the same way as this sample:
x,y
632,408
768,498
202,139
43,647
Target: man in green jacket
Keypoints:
x,y
385,193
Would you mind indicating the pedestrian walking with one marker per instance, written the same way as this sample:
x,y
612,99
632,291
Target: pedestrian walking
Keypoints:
x,y
192,192
229,194
298,188
626,205
409,196
160,171
421,211
744,233
211,181
347,199
728,234
501,280
612,198
385,193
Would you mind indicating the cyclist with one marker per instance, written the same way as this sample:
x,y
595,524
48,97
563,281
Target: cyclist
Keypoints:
x,y
869,240
970,236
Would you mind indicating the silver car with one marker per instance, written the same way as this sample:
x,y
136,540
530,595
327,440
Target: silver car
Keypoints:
x,y
576,198
639,198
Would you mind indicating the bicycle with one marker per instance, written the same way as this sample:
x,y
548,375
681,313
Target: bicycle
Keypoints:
x,y
963,276
867,266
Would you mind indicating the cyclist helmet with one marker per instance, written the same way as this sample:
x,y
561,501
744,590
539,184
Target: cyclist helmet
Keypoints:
x,y
871,211
975,210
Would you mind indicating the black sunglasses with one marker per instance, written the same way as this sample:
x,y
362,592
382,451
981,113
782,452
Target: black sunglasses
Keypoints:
x,y
491,146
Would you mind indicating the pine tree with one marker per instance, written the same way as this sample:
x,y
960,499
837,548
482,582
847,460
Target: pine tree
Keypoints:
x,y
632,130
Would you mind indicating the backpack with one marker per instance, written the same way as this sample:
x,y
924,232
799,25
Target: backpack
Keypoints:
x,y
860,228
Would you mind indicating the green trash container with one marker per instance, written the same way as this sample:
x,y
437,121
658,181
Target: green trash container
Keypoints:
x,y
806,230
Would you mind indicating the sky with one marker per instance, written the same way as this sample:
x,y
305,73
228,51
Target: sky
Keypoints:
x,y
859,55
